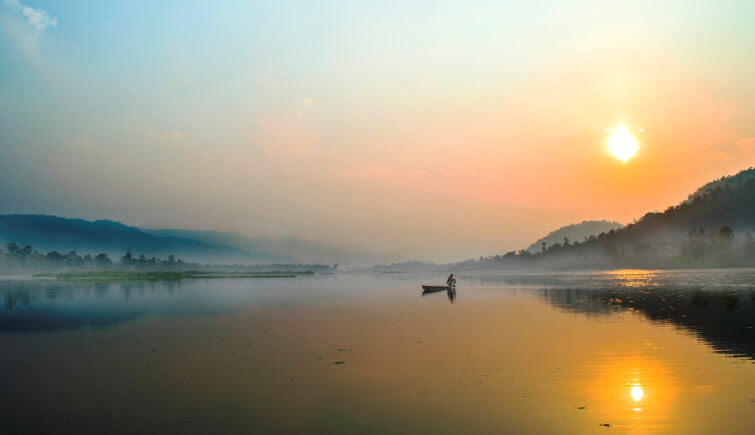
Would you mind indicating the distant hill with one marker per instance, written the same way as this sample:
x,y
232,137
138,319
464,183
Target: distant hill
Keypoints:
x,y
574,232
305,251
47,233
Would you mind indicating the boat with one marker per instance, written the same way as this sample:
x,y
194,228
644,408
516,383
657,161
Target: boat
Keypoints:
x,y
449,289
436,288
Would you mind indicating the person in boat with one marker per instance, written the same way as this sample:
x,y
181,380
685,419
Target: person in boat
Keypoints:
x,y
451,281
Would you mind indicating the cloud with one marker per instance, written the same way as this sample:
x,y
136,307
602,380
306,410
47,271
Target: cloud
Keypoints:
x,y
304,104
36,17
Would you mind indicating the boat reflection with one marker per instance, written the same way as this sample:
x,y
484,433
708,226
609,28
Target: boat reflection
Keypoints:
x,y
450,292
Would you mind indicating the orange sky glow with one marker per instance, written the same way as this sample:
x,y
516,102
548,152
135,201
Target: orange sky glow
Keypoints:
x,y
436,130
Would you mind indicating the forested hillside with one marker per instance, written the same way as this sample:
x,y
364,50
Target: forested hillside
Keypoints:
x,y
713,228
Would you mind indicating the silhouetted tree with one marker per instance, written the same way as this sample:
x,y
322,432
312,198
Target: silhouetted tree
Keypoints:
x,y
54,257
127,259
102,260
725,233
12,248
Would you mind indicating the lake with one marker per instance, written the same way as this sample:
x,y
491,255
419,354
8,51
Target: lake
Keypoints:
x,y
622,352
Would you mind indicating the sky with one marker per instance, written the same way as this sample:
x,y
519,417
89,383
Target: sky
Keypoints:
x,y
436,130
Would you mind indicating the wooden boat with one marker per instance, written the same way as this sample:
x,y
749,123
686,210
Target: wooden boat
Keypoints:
x,y
436,288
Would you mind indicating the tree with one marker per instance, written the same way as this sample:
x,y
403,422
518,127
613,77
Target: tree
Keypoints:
x,y
73,259
54,257
102,260
127,259
725,234
749,246
12,248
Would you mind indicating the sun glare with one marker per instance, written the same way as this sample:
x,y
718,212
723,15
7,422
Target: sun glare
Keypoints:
x,y
637,393
622,145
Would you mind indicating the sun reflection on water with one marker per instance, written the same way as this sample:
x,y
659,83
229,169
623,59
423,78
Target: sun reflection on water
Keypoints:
x,y
634,278
637,393
634,392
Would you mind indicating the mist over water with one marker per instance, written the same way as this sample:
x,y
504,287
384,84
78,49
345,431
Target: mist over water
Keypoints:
x,y
642,351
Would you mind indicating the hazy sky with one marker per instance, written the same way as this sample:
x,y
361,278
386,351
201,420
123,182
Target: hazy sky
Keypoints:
x,y
438,130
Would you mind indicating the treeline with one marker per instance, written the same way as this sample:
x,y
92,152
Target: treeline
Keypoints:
x,y
26,259
702,248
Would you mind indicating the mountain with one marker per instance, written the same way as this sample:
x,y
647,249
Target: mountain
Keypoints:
x,y
47,233
714,227
304,251
574,232
729,182
729,201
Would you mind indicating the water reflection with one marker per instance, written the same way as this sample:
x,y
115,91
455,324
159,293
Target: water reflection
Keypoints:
x,y
557,353
30,306
451,293
637,393
718,306
46,305
722,318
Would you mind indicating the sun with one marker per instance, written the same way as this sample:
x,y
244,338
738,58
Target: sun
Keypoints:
x,y
622,145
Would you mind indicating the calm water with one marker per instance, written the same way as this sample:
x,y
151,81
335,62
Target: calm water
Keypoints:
x,y
644,352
